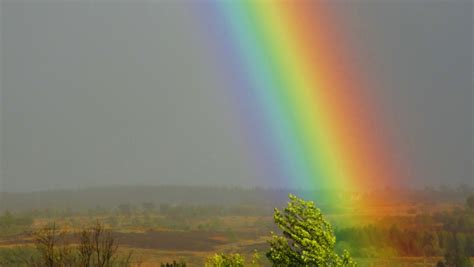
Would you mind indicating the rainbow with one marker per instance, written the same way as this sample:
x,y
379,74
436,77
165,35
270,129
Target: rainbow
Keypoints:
x,y
300,94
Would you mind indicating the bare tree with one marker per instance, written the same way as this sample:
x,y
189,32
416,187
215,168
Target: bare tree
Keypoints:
x,y
85,248
97,248
50,243
103,245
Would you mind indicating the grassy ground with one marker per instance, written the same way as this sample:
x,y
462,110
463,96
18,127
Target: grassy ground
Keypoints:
x,y
155,238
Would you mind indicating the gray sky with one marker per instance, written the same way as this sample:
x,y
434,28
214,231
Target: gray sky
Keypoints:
x,y
123,93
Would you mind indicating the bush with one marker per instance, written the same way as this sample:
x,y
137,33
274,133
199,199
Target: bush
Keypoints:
x,y
223,260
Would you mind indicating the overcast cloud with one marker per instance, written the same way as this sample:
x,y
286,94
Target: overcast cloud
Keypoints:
x,y
123,93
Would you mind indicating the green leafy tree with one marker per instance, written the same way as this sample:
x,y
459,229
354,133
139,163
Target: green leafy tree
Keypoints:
x,y
455,255
307,239
225,260
256,259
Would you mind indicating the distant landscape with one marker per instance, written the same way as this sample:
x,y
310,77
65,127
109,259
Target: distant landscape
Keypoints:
x,y
184,223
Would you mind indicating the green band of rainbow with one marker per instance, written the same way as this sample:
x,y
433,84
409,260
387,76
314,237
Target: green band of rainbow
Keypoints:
x,y
294,64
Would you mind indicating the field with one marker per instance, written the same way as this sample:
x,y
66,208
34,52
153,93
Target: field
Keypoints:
x,y
158,232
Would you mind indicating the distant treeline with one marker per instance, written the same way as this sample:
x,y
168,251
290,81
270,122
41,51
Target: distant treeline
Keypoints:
x,y
448,233
109,197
